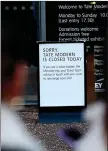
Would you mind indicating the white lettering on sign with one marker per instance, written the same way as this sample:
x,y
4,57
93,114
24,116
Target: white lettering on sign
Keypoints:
x,y
98,85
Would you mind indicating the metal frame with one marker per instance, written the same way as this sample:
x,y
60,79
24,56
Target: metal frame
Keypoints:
x,y
106,62
42,20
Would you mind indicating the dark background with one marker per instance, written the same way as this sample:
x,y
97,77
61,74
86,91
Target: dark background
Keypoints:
x,y
28,21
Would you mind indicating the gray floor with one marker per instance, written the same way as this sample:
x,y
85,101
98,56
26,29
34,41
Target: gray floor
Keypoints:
x,y
47,132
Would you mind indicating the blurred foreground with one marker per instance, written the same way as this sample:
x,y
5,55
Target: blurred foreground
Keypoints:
x,y
47,132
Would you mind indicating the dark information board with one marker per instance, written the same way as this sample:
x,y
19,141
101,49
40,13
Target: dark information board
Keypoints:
x,y
81,21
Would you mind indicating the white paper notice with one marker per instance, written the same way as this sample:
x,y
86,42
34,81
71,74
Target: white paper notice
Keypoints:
x,y
62,81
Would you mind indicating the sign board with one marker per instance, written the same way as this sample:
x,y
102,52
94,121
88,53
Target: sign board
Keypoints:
x,y
85,21
62,76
